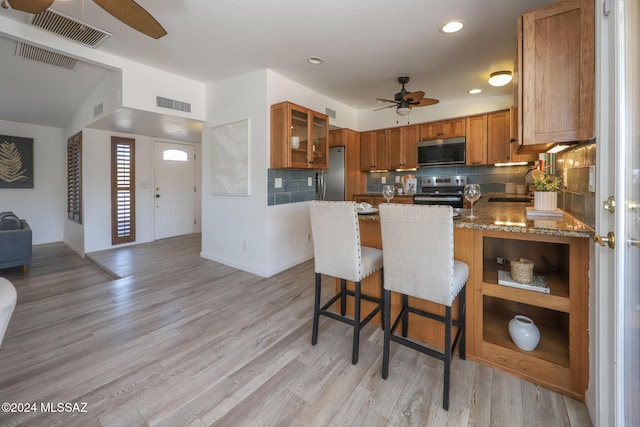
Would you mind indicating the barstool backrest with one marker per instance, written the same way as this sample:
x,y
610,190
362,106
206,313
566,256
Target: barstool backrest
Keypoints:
x,y
336,239
417,241
8,298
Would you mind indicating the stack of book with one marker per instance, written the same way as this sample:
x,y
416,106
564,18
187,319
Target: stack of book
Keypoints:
x,y
539,283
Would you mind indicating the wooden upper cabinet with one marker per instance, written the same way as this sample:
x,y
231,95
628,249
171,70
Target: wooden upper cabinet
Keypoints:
x,y
476,130
443,129
299,137
403,147
556,74
498,137
374,150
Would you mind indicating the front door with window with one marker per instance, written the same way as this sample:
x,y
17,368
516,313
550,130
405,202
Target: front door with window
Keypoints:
x,y
175,203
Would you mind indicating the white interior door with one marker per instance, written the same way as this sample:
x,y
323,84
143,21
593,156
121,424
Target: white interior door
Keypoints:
x,y
617,287
175,204
628,220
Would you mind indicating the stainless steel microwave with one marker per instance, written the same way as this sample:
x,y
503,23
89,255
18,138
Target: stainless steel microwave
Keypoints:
x,y
450,151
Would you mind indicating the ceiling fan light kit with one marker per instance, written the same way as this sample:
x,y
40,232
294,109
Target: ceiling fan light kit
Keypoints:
x,y
500,78
404,101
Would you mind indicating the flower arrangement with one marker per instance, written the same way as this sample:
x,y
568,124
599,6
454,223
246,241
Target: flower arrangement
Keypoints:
x,y
547,183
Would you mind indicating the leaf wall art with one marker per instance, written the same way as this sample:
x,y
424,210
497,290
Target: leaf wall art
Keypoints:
x,y
16,162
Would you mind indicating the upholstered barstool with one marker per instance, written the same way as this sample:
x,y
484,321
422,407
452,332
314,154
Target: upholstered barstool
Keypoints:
x,y
8,299
337,252
418,261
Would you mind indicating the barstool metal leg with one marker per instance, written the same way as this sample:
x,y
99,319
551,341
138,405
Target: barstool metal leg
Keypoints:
x,y
356,324
386,325
462,321
405,315
343,296
447,358
316,310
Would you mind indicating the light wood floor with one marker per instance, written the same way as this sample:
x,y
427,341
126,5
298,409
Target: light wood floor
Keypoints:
x,y
179,340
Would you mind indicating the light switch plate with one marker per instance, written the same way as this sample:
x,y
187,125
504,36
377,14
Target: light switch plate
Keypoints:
x,y
592,178
309,181
384,179
277,183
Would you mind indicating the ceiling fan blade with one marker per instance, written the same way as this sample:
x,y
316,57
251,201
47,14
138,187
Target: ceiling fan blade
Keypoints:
x,y
30,6
384,108
425,101
387,100
134,15
414,96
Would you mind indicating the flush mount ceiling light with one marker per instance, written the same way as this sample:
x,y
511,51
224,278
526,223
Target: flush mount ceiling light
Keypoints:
x,y
315,60
500,78
474,91
452,27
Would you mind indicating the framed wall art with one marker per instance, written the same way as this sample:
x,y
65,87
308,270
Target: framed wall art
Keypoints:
x,y
16,162
230,159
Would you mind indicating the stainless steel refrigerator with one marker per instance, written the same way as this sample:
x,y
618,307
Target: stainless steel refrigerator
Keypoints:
x,y
330,182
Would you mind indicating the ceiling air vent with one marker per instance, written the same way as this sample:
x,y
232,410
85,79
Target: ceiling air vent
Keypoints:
x,y
329,112
172,104
36,53
70,28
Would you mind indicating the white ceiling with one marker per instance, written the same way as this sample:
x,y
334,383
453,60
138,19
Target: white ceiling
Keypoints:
x,y
365,44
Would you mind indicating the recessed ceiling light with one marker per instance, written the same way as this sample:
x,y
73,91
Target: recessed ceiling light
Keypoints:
x,y
475,91
315,60
500,78
452,27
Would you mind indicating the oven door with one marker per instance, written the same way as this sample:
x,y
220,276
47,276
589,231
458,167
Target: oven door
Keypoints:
x,y
453,200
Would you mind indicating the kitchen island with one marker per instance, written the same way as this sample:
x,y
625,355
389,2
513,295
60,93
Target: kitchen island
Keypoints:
x,y
559,248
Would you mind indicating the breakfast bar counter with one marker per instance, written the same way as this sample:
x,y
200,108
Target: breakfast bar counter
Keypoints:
x,y
559,249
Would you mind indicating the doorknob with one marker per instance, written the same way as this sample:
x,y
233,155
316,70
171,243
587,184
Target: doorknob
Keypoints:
x,y
610,204
610,240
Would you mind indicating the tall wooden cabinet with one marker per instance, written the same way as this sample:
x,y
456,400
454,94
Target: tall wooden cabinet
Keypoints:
x,y
555,97
299,137
476,131
355,179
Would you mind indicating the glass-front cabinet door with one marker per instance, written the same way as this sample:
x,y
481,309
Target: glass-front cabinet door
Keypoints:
x,y
319,142
299,137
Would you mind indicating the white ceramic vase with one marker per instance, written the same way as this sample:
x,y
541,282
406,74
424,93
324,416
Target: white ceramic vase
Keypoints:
x,y
524,333
545,200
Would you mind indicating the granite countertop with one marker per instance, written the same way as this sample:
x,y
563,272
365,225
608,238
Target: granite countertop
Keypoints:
x,y
511,217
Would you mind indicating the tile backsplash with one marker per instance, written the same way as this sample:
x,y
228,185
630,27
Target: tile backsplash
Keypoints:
x,y
576,198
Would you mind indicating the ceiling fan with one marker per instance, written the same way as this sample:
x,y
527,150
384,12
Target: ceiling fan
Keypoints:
x,y
404,101
127,11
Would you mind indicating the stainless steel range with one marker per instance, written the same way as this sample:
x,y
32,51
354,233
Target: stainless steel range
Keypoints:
x,y
441,190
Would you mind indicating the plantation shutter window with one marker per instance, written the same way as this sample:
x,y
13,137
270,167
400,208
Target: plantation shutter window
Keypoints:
x,y
122,190
74,178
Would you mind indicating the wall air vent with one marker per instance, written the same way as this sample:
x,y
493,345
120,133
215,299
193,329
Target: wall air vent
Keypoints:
x,y
98,109
70,28
172,104
39,54
329,112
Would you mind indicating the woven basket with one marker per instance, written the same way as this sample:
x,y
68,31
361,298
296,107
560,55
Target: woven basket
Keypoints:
x,y
522,270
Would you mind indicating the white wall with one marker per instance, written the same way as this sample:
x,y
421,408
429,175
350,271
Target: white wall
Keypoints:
x,y
234,227
42,206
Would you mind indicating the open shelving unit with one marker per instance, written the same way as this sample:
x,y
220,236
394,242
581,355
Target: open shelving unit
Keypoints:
x,y
560,361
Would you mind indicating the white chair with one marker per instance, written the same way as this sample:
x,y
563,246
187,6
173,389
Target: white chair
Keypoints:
x,y
418,261
8,299
338,253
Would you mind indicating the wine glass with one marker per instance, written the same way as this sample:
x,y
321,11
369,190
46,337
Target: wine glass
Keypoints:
x,y
388,192
472,193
